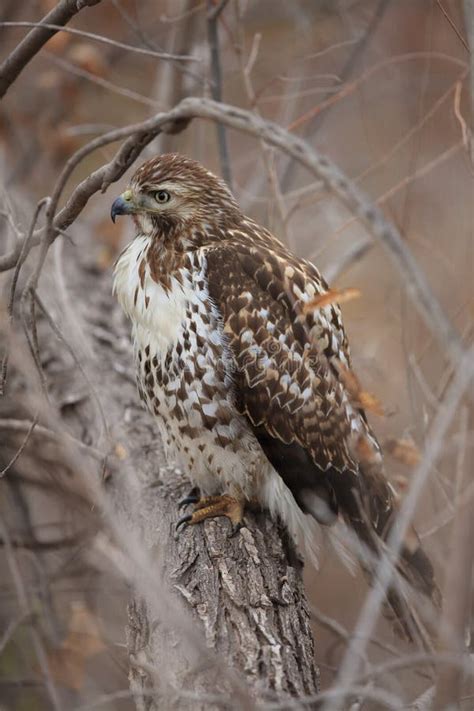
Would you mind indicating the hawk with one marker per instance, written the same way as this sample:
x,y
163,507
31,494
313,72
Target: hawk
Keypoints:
x,y
248,382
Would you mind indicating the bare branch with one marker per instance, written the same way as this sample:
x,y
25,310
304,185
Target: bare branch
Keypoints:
x,y
100,81
453,25
21,449
384,571
213,13
458,591
11,629
469,22
320,166
37,642
105,40
60,437
25,246
60,15
349,65
215,9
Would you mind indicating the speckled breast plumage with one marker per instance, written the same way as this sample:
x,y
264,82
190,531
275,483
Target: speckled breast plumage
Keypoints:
x,y
184,371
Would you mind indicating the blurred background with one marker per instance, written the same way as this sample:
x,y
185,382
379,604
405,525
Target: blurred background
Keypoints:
x,y
380,86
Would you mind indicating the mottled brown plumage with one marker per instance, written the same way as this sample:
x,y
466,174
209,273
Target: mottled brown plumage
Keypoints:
x,y
248,384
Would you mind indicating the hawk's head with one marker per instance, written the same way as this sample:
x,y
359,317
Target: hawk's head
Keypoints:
x,y
172,191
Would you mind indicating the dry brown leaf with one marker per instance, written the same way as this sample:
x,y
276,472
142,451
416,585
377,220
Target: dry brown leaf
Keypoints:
x,y
83,640
332,296
88,58
58,42
360,398
121,452
400,482
350,380
67,668
49,80
84,634
365,450
405,450
110,238
369,402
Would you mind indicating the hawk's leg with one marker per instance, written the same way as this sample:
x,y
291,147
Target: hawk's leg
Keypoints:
x,y
213,506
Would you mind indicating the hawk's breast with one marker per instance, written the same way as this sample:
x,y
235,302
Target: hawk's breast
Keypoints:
x,y
184,365
156,313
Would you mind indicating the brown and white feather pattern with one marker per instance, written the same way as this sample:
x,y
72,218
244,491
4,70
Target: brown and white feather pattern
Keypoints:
x,y
187,375
245,385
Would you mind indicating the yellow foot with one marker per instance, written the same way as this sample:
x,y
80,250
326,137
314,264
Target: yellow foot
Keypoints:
x,y
213,506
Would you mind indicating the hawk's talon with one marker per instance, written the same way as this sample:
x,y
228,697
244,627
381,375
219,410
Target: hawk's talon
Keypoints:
x,y
235,529
212,507
192,497
184,521
188,500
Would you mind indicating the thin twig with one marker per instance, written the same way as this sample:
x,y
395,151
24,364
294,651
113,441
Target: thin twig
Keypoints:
x,y
25,245
350,88
56,329
404,182
340,631
105,40
412,661
458,114
215,9
22,447
357,252
138,32
11,629
268,157
383,574
24,52
334,696
347,69
213,13
453,25
100,81
458,590
25,610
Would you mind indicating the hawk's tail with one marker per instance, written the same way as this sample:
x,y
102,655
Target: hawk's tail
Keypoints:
x,y
368,505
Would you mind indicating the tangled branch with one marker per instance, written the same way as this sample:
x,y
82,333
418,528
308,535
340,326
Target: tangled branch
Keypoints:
x,y
177,119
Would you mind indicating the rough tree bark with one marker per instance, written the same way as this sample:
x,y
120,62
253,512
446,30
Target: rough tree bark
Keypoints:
x,y
245,593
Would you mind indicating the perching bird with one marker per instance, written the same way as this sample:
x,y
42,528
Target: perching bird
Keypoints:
x,y
249,383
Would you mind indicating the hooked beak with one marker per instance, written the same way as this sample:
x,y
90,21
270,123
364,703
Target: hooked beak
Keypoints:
x,y
123,205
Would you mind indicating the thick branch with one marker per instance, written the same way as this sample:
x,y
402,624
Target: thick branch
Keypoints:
x,y
247,594
37,38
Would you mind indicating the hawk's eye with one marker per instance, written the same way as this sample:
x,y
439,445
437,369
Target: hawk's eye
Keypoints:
x,y
162,196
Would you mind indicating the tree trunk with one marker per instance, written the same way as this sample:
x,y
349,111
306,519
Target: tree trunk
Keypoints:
x,y
247,594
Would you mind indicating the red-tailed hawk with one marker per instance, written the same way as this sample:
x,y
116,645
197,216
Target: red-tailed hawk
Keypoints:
x,y
248,383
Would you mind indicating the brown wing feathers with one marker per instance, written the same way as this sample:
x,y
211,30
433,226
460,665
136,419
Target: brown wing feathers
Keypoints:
x,y
289,388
